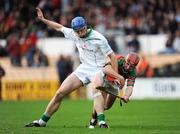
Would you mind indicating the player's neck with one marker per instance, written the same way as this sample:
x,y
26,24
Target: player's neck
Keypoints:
x,y
89,30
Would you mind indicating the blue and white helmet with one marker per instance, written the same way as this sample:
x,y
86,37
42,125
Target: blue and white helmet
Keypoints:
x,y
78,23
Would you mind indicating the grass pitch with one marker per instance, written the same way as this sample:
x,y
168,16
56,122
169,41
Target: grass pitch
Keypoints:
x,y
136,117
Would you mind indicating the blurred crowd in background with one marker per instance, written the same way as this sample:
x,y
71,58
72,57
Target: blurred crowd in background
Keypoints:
x,y
20,27
141,16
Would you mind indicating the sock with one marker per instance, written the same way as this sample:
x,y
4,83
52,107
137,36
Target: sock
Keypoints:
x,y
44,119
101,119
93,120
41,122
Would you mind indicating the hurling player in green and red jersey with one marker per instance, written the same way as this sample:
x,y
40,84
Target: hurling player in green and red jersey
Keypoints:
x,y
126,71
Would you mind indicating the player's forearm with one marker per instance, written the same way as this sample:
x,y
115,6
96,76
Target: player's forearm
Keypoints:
x,y
128,91
108,70
52,24
114,62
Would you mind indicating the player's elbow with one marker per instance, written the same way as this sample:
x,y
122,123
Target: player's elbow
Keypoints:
x,y
106,71
112,55
58,29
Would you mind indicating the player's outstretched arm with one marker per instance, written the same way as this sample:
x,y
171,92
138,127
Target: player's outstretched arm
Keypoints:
x,y
128,93
50,23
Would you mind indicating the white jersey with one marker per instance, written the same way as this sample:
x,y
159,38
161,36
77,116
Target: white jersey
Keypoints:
x,y
93,49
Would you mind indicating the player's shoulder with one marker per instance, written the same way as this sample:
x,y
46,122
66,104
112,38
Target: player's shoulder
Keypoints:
x,y
120,60
66,29
98,35
120,57
133,73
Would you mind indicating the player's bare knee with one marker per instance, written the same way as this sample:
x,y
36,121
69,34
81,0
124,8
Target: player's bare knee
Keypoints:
x,y
96,84
97,94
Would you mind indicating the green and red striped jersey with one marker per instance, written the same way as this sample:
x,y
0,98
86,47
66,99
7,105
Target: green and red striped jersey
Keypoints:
x,y
130,76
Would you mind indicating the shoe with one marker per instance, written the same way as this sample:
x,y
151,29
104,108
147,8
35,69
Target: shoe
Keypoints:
x,y
34,124
103,126
92,124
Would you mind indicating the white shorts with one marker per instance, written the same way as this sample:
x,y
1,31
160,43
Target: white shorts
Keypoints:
x,y
85,73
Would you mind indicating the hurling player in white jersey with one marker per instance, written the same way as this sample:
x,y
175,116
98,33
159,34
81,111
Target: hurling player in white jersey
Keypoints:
x,y
93,50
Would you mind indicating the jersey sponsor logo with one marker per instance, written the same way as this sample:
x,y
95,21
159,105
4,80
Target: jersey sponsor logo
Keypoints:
x,y
84,47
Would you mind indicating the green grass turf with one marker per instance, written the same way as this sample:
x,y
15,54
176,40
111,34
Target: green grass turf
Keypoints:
x,y
137,117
